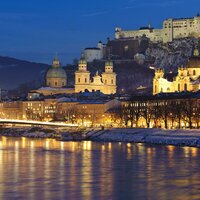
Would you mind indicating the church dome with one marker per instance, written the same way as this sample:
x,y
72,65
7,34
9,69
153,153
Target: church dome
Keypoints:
x,y
109,63
56,71
194,61
82,61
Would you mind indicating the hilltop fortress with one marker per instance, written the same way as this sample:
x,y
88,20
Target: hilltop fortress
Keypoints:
x,y
172,29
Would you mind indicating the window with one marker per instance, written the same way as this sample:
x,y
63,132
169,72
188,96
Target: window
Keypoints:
x,y
79,80
112,81
105,81
194,72
56,83
185,87
85,80
179,87
126,48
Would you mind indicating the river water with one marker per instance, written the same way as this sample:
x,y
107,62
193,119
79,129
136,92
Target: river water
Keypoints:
x,y
49,169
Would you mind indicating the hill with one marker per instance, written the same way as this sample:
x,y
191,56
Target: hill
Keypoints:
x,y
14,72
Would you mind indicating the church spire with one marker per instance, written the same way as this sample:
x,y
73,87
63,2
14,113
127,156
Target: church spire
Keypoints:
x,y
56,62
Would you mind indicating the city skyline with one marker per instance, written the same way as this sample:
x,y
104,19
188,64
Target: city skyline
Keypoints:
x,y
31,32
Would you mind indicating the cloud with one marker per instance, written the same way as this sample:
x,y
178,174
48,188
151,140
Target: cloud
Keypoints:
x,y
95,14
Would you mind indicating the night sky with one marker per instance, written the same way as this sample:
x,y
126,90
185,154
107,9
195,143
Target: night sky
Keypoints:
x,y
35,30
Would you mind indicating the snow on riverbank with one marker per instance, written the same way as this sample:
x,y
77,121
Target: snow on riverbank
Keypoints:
x,y
152,136
34,132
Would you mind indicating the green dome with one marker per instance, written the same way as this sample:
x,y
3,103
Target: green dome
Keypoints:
x,y
109,63
56,72
82,61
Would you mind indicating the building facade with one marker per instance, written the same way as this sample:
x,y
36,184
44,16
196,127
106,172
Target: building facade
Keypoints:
x,y
105,83
172,29
169,111
94,53
187,79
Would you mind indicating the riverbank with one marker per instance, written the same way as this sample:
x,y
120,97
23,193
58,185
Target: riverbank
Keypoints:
x,y
150,136
31,132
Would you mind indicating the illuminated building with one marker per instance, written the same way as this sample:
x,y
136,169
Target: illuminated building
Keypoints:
x,y
95,53
176,110
56,82
11,110
43,110
187,79
105,83
56,76
172,29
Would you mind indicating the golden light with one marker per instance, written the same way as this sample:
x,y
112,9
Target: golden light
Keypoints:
x,y
32,144
128,145
62,146
109,145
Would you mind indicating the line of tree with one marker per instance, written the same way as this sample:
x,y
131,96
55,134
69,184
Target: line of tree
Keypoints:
x,y
179,111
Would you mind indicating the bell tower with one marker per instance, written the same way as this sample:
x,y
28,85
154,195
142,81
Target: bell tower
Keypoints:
x,y
159,73
82,76
109,78
82,65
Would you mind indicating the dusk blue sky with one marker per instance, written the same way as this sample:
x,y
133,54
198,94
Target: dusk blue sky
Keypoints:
x,y
35,29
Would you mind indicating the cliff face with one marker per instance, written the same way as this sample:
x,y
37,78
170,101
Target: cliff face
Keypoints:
x,y
172,55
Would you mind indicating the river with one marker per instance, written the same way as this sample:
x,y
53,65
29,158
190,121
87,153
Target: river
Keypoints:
x,y
50,169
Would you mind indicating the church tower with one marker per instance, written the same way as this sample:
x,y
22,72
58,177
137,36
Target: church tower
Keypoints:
x,y
109,79
82,76
159,74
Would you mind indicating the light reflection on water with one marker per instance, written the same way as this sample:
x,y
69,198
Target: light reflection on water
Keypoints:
x,y
49,169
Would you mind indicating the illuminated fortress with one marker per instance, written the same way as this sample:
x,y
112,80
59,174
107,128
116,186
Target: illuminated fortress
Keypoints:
x,y
172,29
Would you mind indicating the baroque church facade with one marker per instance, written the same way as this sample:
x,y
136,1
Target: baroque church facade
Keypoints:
x,y
56,80
187,79
105,82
